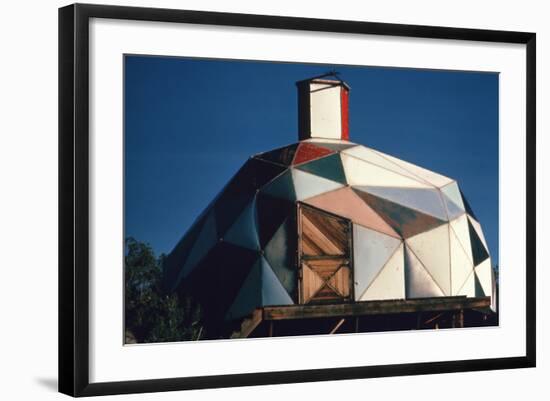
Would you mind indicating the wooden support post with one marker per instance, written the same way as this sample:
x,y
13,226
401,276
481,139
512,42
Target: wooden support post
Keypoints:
x,y
458,319
270,329
337,326
357,324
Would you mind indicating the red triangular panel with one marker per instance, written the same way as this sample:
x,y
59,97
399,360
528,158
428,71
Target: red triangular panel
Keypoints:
x,y
308,151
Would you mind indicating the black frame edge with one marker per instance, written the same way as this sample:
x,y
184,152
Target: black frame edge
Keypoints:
x,y
531,199
73,193
301,376
66,306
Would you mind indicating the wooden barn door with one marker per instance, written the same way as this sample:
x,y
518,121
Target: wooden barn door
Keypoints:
x,y
325,271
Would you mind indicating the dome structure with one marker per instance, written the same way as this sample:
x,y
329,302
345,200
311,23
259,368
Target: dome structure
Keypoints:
x,y
326,220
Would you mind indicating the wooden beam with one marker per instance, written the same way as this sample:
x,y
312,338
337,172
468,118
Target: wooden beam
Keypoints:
x,y
373,308
249,324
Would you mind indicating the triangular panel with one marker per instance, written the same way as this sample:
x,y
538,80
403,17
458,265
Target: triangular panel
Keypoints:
x,y
174,262
468,288
460,228
432,249
371,251
405,221
250,294
390,282
272,212
280,252
307,152
461,264
282,156
425,200
345,202
359,172
453,200
241,189
485,277
435,179
369,155
479,231
206,240
479,253
308,185
329,167
418,282
244,231
273,292
281,187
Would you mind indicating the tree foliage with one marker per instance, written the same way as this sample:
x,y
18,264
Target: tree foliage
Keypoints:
x,y
150,314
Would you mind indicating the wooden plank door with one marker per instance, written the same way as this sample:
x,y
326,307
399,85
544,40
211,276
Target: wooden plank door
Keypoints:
x,y
325,268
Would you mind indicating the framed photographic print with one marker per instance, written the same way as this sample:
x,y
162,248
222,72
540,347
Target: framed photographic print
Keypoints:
x,y
249,199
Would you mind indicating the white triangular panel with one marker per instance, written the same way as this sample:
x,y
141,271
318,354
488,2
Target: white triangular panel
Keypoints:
x,y
307,185
390,282
453,193
485,277
433,178
461,264
359,172
460,228
432,248
371,251
469,287
418,282
369,155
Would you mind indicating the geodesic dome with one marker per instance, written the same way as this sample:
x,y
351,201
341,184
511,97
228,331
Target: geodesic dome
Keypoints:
x,y
326,220
413,232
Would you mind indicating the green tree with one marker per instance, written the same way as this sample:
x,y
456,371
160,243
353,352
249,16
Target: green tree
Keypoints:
x,y
151,315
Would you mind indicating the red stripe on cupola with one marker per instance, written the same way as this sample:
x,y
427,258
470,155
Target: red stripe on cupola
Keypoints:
x,y
344,95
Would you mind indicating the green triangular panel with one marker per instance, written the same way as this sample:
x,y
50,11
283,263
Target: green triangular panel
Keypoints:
x,y
329,167
479,253
281,187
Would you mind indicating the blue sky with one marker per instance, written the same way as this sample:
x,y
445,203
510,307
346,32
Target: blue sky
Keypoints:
x,y
191,123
